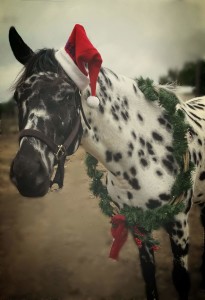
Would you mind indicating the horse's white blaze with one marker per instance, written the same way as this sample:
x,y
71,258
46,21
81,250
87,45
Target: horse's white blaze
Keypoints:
x,y
41,149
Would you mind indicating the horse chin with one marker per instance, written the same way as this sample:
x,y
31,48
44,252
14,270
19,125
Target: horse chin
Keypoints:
x,y
33,193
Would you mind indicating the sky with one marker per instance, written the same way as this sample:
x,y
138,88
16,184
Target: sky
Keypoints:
x,y
135,37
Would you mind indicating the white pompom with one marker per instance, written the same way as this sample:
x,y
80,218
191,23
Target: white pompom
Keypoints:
x,y
93,101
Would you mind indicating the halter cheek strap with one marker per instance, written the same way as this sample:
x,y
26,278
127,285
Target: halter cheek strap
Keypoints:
x,y
60,151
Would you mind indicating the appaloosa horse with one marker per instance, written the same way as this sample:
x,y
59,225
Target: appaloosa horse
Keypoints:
x,y
130,135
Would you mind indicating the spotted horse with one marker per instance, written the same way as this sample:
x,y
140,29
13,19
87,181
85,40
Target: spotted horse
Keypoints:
x,y
129,134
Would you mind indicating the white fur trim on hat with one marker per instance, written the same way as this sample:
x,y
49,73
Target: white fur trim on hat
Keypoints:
x,y
71,69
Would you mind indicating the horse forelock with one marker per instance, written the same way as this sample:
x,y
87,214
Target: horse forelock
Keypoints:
x,y
41,61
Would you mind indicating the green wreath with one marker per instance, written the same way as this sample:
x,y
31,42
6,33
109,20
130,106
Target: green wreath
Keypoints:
x,y
151,219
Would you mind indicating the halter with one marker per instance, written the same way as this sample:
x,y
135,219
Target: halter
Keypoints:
x,y
62,150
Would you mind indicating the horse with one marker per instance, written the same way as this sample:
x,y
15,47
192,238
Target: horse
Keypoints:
x,y
131,136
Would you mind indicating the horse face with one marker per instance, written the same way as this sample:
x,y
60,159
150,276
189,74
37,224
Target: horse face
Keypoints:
x,y
46,100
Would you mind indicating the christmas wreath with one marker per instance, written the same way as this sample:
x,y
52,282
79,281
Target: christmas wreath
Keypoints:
x,y
142,222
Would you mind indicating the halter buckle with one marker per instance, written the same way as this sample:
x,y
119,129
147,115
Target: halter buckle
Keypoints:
x,y
61,152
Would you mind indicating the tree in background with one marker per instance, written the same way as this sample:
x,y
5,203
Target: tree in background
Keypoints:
x,y
192,74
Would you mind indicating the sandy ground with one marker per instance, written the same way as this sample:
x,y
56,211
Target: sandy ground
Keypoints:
x,y
57,247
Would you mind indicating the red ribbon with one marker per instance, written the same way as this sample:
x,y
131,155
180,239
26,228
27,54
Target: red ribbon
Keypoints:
x,y
119,232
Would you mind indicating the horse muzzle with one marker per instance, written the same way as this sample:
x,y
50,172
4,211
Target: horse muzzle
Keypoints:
x,y
29,175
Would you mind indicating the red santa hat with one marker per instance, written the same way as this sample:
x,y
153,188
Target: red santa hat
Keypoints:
x,y
81,61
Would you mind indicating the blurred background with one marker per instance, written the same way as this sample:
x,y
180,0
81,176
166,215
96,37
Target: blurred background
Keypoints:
x,y
56,247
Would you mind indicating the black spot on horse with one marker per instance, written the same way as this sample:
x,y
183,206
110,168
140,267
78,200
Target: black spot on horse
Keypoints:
x,y
142,142
162,121
88,94
164,197
134,135
152,203
129,153
159,173
96,138
149,148
199,142
125,101
85,132
106,180
117,156
115,116
199,195
194,157
134,183
101,108
131,146
126,176
108,155
140,153
143,162
202,176
103,100
140,117
115,75
168,127
169,148
168,165
125,115
117,107
129,195
112,108
157,136
133,171
191,106
135,89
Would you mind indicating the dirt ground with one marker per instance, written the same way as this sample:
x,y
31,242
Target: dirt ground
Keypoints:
x,y
57,247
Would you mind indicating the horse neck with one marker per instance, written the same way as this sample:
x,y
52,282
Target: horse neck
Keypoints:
x,y
123,120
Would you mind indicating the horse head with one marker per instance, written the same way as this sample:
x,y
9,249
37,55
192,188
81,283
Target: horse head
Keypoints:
x,y
48,107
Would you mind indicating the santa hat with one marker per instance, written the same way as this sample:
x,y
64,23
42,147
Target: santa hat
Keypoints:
x,y
81,61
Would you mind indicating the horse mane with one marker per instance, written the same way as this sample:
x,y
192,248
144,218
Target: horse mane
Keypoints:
x,y
42,60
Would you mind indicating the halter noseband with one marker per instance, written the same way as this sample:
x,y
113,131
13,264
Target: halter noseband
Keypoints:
x,y
60,151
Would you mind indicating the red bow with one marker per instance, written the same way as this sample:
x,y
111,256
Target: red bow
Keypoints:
x,y
119,232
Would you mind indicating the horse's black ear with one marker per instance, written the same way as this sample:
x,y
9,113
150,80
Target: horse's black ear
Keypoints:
x,y
21,51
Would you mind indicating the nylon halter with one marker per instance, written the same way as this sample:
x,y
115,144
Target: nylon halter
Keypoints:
x,y
60,151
